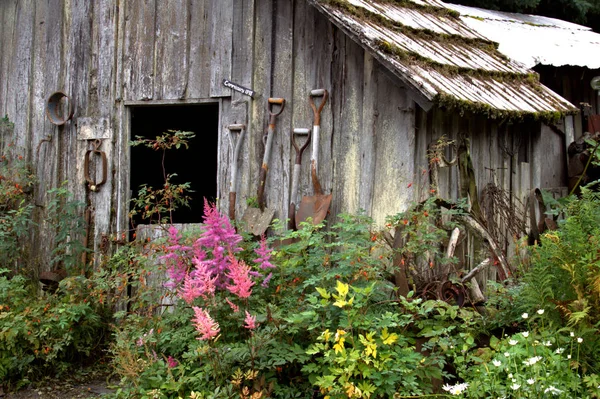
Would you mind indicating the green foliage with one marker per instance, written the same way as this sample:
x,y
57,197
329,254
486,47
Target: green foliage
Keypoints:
x,y
563,275
535,363
386,349
46,334
16,181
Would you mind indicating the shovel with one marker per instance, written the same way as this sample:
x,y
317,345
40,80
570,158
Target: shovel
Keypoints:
x,y
235,144
296,175
258,220
315,206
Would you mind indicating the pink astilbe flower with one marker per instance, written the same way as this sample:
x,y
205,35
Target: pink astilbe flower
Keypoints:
x,y
264,255
250,321
171,362
220,238
198,282
239,275
232,305
204,324
265,282
176,259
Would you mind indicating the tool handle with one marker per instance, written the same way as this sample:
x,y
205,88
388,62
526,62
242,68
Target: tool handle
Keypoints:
x,y
275,101
261,187
300,149
236,145
293,195
232,196
317,111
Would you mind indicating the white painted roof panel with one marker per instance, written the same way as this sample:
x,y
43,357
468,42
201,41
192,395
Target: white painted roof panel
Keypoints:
x,y
533,40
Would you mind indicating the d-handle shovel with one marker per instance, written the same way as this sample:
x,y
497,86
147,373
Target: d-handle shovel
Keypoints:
x,y
257,220
236,136
296,176
317,206
269,142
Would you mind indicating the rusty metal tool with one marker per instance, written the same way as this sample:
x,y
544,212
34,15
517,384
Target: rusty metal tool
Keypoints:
x,y
235,143
316,206
92,184
258,219
296,175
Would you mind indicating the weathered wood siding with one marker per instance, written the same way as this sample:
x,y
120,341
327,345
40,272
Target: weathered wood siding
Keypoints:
x,y
109,55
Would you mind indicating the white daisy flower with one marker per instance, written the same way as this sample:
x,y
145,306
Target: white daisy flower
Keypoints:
x,y
532,360
515,386
525,334
540,311
525,315
497,363
530,381
513,342
579,340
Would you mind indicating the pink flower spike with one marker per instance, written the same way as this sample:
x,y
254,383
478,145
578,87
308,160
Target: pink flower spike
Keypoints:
x,y
250,321
233,306
204,324
264,254
171,362
239,274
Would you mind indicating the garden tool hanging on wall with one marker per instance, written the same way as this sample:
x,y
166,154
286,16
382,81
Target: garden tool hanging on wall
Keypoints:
x,y
316,206
296,176
235,143
257,220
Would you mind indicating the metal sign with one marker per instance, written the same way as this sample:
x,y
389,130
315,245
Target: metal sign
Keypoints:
x,y
238,88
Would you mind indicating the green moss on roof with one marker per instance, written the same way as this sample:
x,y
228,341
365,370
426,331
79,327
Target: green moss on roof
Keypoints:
x,y
452,103
414,58
425,34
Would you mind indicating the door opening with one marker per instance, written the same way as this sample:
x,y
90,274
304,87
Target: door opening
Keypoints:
x,y
197,164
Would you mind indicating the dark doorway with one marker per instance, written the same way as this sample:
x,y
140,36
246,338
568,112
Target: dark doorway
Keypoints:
x,y
197,164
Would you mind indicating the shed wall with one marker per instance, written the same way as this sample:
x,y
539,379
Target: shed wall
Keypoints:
x,y
110,55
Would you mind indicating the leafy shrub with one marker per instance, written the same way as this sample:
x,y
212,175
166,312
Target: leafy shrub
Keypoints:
x,y
46,334
563,275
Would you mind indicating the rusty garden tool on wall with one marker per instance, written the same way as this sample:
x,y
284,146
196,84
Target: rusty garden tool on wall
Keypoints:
x,y
296,176
316,206
93,185
235,143
258,219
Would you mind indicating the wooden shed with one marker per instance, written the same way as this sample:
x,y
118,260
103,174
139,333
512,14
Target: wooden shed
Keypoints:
x,y
401,74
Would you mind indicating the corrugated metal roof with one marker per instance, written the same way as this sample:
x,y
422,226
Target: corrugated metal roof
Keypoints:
x,y
532,39
442,57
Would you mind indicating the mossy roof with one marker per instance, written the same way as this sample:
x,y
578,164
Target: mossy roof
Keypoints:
x,y
442,60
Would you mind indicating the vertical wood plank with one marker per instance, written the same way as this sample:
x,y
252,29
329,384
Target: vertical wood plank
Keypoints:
x,y
18,91
140,29
171,49
198,81
221,36
7,30
279,177
346,142
367,132
395,151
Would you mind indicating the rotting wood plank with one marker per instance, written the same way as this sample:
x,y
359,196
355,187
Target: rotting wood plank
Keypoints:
x,y
221,36
171,49
140,30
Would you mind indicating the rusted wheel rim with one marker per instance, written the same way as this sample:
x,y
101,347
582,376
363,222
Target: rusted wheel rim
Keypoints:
x,y
53,108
